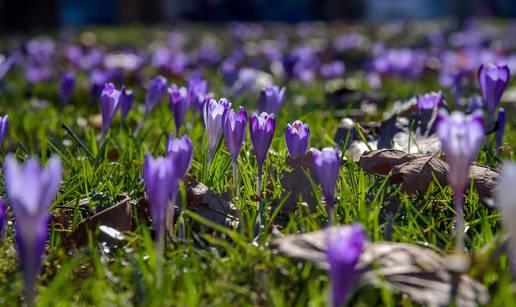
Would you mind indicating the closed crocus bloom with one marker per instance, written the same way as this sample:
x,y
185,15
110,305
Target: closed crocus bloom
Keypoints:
x,y
261,128
31,190
180,150
97,80
493,80
160,178
326,166
234,131
108,105
333,69
505,197
4,127
429,101
179,104
297,138
343,250
271,99
198,90
213,113
66,87
500,131
155,93
3,218
125,101
461,137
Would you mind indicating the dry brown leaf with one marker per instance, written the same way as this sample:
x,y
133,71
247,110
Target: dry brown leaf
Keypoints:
x,y
407,269
118,217
416,171
297,184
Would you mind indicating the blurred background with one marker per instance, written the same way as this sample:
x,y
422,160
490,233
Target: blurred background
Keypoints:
x,y
25,15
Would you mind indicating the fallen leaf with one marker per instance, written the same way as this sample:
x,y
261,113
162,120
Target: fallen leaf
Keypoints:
x,y
296,183
416,171
118,217
407,269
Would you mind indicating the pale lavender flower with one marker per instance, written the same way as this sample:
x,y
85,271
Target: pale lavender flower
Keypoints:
x,y
343,250
461,137
213,113
333,69
30,192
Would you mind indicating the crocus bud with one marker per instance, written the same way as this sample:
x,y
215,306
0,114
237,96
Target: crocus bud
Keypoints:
x,y
125,101
261,128
500,131
108,105
429,101
297,138
31,190
213,113
155,93
198,91
180,150
461,137
97,80
326,166
493,80
4,127
66,87
3,218
160,178
343,249
505,197
179,104
234,131
271,99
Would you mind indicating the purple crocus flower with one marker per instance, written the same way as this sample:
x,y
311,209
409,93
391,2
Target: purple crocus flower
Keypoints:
x,y
493,81
30,191
97,80
461,137
500,131
108,105
66,87
261,128
3,218
343,250
234,131
297,138
429,101
155,93
4,127
180,150
333,69
505,196
125,101
213,113
160,178
198,90
326,166
271,99
179,104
